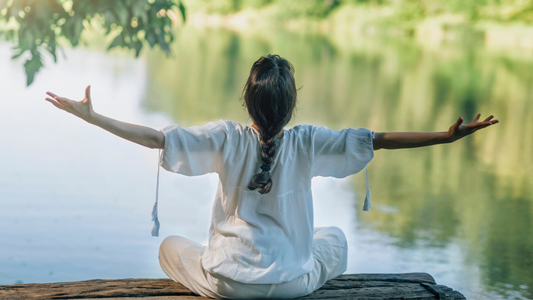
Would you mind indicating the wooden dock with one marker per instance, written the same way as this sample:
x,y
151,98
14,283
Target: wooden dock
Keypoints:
x,y
356,286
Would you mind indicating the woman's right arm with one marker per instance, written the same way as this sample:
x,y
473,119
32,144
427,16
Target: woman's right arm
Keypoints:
x,y
141,135
399,140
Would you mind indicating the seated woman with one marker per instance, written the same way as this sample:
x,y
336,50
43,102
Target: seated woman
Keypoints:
x,y
262,241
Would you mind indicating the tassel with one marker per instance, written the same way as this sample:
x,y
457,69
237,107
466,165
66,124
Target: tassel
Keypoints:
x,y
366,206
155,229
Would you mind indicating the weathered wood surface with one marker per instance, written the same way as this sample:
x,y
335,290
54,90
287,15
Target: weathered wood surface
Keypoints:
x,y
357,286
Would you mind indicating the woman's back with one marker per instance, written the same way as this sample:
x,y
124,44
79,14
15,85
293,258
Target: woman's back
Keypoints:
x,y
263,238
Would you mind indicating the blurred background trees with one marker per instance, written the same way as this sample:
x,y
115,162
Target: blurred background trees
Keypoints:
x,y
509,10
37,26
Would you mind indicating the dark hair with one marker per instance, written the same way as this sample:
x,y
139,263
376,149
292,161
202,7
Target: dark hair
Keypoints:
x,y
270,97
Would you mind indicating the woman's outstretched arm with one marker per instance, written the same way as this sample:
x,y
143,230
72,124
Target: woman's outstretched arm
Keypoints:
x,y
399,140
83,109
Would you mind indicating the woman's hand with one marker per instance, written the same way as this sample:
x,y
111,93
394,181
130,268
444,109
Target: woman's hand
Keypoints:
x,y
458,130
399,140
141,135
82,109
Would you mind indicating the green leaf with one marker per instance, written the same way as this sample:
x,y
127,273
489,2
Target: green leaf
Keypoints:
x,y
18,54
151,37
72,29
138,45
163,44
32,66
183,11
78,28
52,47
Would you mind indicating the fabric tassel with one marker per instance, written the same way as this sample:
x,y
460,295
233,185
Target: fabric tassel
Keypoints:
x,y
155,229
366,206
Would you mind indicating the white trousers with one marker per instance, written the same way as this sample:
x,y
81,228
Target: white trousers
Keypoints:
x,y
180,259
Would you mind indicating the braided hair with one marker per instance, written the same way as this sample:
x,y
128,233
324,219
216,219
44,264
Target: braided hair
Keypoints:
x,y
270,97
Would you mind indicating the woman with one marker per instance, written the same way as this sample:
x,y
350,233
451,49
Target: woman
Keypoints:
x,y
262,242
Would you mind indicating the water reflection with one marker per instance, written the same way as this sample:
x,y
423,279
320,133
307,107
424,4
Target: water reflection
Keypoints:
x,y
474,195
461,212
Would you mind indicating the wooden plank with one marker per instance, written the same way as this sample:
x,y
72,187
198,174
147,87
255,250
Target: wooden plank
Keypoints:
x,y
407,291
95,289
159,298
355,286
405,277
402,291
369,280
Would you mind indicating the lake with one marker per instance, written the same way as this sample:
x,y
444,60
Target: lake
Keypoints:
x,y
76,201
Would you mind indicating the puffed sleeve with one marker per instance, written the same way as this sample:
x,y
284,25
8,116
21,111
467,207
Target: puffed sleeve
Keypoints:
x,y
195,150
342,153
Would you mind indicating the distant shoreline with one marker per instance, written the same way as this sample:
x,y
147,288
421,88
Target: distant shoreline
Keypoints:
x,y
441,28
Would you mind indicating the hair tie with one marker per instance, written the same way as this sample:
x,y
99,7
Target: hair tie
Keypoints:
x,y
265,168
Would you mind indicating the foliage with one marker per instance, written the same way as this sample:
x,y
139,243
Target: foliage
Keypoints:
x,y
309,8
293,8
40,24
404,13
37,26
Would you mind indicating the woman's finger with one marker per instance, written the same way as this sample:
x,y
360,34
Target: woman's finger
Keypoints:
x,y
481,125
51,94
458,123
478,124
453,129
488,118
53,101
63,100
55,104
88,93
476,118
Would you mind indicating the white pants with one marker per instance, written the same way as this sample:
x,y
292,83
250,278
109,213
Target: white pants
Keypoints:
x,y
180,259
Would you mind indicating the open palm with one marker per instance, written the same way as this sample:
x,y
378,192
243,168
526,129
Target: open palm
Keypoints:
x,y
82,109
458,130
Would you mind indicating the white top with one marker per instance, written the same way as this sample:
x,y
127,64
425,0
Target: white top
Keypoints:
x,y
266,238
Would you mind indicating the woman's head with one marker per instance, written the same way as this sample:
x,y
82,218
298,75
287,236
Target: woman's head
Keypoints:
x,y
270,97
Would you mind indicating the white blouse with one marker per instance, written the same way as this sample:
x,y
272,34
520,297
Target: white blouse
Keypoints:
x,y
256,238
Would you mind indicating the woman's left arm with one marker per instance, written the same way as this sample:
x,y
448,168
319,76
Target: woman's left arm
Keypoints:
x,y
399,140
83,109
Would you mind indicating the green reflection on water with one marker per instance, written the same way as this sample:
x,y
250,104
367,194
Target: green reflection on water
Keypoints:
x,y
476,192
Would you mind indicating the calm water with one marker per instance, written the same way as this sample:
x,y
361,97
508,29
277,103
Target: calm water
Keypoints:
x,y
75,201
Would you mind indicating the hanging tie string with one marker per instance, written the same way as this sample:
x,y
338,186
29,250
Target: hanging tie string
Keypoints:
x,y
366,206
155,229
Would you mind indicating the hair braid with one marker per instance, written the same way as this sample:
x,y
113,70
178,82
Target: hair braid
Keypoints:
x,y
270,97
262,181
